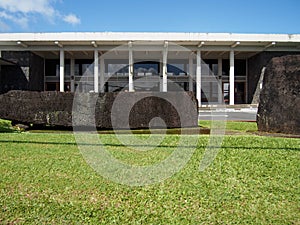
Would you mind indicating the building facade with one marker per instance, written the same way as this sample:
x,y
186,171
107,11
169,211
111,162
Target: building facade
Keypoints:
x,y
219,67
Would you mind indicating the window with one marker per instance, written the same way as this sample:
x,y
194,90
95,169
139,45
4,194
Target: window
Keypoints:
x,y
116,66
146,68
52,67
240,67
88,70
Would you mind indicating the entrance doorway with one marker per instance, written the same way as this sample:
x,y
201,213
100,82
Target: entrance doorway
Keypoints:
x,y
239,92
226,93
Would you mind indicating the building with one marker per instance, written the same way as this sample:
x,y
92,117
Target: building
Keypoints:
x,y
218,67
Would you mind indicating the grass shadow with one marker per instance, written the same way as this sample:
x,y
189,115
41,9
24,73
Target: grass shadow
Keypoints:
x,y
137,145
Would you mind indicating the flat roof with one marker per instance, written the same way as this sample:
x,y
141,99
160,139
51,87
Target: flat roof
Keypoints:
x,y
49,44
148,36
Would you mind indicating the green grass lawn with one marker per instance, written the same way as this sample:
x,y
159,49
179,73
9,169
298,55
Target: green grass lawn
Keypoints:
x,y
45,180
233,126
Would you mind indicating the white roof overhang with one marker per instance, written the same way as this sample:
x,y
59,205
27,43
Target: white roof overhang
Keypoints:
x,y
104,41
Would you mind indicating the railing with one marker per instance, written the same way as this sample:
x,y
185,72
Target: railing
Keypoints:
x,y
122,76
68,78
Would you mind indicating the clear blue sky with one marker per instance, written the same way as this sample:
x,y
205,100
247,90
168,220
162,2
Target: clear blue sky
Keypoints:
x,y
236,16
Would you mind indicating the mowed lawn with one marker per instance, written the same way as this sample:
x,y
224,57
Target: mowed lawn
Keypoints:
x,y
45,180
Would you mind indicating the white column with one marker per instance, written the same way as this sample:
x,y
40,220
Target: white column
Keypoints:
x,y
165,75
160,78
247,81
62,71
220,94
72,71
130,81
198,77
102,74
231,78
191,72
96,71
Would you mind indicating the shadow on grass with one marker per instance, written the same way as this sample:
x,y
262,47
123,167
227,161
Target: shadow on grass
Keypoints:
x,y
137,145
7,130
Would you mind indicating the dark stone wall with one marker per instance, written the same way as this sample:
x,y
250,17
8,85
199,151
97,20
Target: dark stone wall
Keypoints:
x,y
56,109
12,78
36,77
255,65
27,74
20,58
279,105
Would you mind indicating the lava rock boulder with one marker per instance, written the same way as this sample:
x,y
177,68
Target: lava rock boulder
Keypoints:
x,y
279,107
121,110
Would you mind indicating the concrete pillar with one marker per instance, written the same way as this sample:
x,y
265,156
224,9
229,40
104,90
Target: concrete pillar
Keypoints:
x,y
61,70
247,80
96,71
198,77
191,72
72,74
160,77
231,78
220,94
165,75
102,74
130,80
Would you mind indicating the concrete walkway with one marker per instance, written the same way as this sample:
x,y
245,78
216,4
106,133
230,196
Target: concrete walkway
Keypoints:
x,y
232,113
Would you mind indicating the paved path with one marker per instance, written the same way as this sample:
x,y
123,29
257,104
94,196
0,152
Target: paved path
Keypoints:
x,y
245,114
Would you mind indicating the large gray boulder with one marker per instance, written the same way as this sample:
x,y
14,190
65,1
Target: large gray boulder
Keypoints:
x,y
279,107
176,109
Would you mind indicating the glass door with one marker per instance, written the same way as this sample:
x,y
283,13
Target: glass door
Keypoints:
x,y
240,92
226,93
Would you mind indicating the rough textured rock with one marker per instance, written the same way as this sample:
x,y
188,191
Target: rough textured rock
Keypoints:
x,y
55,109
255,66
279,108
38,108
